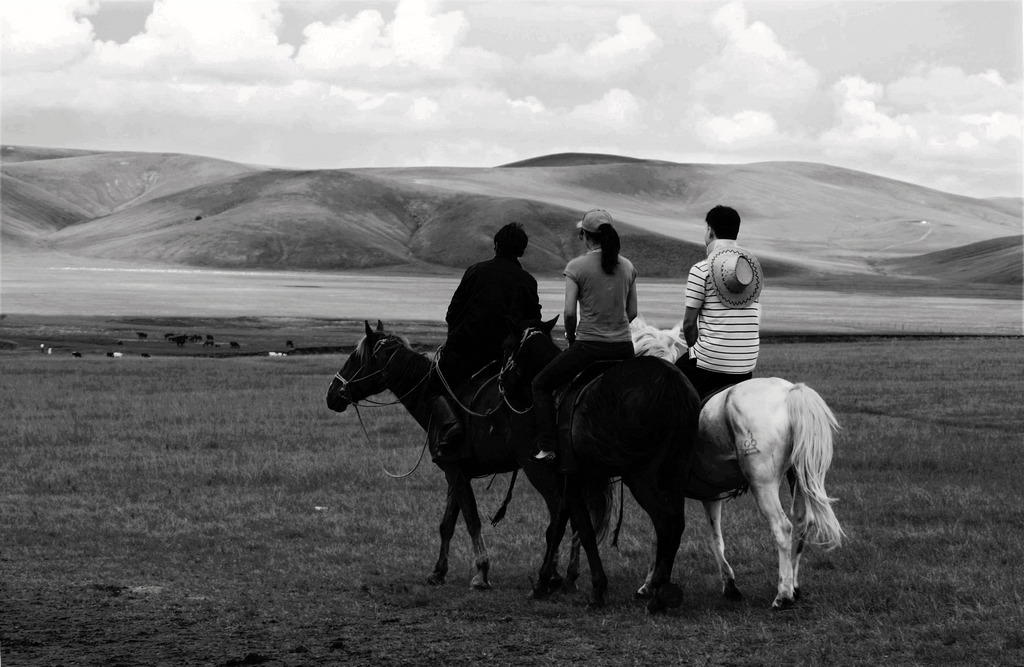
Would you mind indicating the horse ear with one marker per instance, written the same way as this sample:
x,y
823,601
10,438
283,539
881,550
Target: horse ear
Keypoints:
x,y
369,331
546,327
380,327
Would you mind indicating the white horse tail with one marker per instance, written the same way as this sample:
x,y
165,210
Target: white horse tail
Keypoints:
x,y
813,426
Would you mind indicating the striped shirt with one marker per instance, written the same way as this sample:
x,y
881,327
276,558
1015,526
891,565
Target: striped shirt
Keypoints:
x,y
727,338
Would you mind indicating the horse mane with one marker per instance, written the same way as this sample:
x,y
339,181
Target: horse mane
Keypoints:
x,y
650,341
363,353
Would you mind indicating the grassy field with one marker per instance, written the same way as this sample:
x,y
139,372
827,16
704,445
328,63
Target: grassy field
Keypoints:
x,y
213,511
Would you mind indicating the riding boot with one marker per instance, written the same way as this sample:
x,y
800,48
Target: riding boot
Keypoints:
x,y
445,430
547,435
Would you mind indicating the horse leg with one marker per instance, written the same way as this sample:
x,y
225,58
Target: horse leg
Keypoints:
x,y
585,530
447,530
572,568
646,591
547,577
770,506
467,502
669,519
713,512
549,484
800,519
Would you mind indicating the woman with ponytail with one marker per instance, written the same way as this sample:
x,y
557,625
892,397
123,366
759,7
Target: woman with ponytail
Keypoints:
x,y
603,284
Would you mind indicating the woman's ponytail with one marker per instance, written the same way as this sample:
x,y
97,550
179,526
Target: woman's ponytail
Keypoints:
x,y
610,245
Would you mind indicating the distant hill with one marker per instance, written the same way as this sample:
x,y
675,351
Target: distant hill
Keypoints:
x,y
576,160
810,224
997,261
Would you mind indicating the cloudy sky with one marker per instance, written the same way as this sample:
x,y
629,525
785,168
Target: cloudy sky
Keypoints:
x,y
927,92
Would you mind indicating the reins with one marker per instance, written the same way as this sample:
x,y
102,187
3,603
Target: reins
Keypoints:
x,y
387,472
377,404
434,367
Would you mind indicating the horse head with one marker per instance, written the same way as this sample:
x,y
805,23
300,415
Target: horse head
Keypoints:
x,y
650,341
527,349
364,372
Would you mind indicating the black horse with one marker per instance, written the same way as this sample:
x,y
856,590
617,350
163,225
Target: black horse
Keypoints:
x,y
499,435
638,421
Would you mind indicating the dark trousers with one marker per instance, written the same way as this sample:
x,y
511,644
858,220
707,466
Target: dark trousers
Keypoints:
x,y
445,432
561,370
708,382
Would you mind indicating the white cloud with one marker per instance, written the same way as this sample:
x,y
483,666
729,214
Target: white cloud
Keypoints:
x,y
423,109
236,39
997,125
416,37
862,125
752,71
617,109
420,41
632,44
945,89
45,36
740,129
867,120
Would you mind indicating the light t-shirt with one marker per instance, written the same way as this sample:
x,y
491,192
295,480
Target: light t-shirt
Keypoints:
x,y
601,298
727,338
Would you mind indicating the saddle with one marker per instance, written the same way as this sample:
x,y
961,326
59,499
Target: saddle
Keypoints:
x,y
566,400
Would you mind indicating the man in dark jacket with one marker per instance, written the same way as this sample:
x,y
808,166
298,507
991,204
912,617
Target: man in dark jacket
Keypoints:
x,y
489,292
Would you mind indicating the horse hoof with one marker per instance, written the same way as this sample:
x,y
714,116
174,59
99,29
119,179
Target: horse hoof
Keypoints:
x,y
643,593
595,604
655,606
540,591
796,594
730,592
783,604
436,580
556,583
480,586
670,595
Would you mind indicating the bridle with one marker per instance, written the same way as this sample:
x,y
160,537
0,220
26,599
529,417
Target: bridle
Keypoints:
x,y
382,371
510,367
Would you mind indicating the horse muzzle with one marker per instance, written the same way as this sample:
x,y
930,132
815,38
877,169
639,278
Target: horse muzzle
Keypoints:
x,y
337,395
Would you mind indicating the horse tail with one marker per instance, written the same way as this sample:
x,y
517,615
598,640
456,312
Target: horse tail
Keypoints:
x,y
600,499
813,426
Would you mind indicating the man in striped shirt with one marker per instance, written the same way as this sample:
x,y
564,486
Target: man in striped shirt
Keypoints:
x,y
723,315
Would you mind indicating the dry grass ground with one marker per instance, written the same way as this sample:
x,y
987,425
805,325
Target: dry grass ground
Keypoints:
x,y
212,511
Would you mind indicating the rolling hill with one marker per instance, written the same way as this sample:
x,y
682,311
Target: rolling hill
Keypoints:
x,y
809,223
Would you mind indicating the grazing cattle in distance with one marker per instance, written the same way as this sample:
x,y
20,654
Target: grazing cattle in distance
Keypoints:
x,y
76,354
120,342
208,342
142,335
145,355
169,336
209,338
195,338
289,345
180,340
42,348
234,345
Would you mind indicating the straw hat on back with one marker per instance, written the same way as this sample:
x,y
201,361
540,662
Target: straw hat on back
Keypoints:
x,y
737,276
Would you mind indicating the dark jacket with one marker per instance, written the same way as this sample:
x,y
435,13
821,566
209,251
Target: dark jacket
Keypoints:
x,y
489,292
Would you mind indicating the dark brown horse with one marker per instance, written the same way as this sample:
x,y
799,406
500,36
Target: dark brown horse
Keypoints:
x,y
499,436
638,421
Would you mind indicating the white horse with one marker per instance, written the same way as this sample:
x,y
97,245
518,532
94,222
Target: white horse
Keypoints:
x,y
751,434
